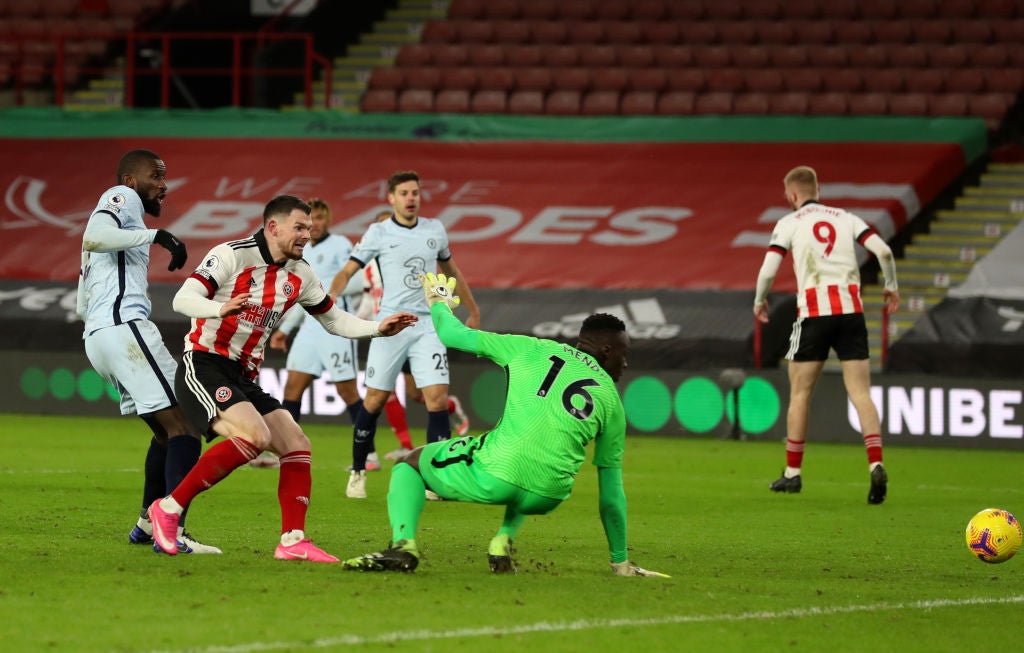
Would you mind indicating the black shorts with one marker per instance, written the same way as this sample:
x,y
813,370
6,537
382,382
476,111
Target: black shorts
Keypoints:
x,y
812,338
206,383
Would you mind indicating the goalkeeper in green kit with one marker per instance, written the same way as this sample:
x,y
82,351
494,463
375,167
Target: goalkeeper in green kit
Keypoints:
x,y
559,399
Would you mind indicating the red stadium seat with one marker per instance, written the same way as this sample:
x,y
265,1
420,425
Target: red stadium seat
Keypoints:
x,y
751,104
635,56
730,80
451,100
869,56
972,31
956,9
609,79
992,56
387,77
869,104
598,56
948,104
526,102
512,31
524,55
933,31
990,106
414,54
893,31
807,80
673,56
422,77
965,80
948,56
1009,31
584,31
533,79
889,80
466,9
925,80
571,79
686,79
649,9
600,103
501,78
917,9
828,104
485,55
908,104
813,31
713,56
501,9
792,104
878,9
842,80
439,31
751,56
685,10
676,103
737,32
614,10
626,32
775,32
463,78
788,56
828,56
575,9
449,54
854,32
549,32
997,9
772,9
697,33
768,80
803,9
416,100
475,31
559,56
563,103
540,9
724,10
639,103
1005,80
713,103
841,10
648,79
908,56
378,100
659,32
489,101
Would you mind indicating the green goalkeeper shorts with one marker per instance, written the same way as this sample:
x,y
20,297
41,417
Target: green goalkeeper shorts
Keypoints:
x,y
448,469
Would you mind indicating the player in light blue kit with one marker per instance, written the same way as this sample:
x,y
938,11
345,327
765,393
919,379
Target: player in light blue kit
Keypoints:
x,y
122,344
314,351
405,246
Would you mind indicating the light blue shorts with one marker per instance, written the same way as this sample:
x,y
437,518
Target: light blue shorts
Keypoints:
x,y
315,351
428,358
134,359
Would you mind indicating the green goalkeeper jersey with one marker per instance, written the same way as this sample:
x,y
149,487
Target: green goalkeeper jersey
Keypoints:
x,y
559,399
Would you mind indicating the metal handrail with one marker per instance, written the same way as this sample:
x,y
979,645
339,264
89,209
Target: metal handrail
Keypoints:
x,y
165,70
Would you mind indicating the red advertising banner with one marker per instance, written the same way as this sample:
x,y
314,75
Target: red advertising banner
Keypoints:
x,y
519,214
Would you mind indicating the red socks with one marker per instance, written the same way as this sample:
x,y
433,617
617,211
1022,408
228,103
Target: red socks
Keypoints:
x,y
873,443
794,453
395,412
219,460
293,488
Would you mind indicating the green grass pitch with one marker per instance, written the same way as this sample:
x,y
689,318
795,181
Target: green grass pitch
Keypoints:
x,y
751,571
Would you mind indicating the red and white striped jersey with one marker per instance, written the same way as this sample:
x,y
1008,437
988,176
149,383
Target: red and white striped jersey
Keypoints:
x,y
822,240
245,266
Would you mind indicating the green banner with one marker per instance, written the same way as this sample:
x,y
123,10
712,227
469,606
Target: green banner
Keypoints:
x,y
53,122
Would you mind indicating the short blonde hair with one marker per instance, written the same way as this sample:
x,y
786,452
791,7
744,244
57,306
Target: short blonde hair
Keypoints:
x,y
804,177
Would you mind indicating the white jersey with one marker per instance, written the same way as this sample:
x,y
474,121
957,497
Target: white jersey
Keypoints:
x,y
822,240
402,254
245,266
114,287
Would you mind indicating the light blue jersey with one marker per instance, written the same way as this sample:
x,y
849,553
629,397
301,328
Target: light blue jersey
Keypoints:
x,y
403,253
326,258
113,288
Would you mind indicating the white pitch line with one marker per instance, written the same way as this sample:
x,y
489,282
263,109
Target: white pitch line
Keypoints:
x,y
593,624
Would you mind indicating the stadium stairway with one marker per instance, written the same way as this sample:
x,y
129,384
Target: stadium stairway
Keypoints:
x,y
351,73
943,257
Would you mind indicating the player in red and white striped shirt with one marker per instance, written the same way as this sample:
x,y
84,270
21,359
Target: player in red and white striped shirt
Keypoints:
x,y
235,298
829,315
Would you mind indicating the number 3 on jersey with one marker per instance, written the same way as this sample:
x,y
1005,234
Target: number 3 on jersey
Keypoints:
x,y
574,389
825,233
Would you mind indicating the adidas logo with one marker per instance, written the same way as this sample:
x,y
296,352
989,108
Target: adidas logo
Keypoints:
x,y
643,317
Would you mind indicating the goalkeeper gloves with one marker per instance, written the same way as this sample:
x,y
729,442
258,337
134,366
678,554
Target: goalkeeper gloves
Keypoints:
x,y
627,568
168,241
439,288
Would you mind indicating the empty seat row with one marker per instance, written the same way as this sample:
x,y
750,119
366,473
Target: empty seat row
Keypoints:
x,y
732,9
40,28
943,30
78,8
712,56
1004,80
991,107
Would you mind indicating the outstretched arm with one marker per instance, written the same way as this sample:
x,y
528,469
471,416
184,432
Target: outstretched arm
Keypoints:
x,y
612,502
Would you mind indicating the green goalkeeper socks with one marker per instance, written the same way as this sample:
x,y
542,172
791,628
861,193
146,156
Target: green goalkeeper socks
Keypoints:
x,y
405,502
